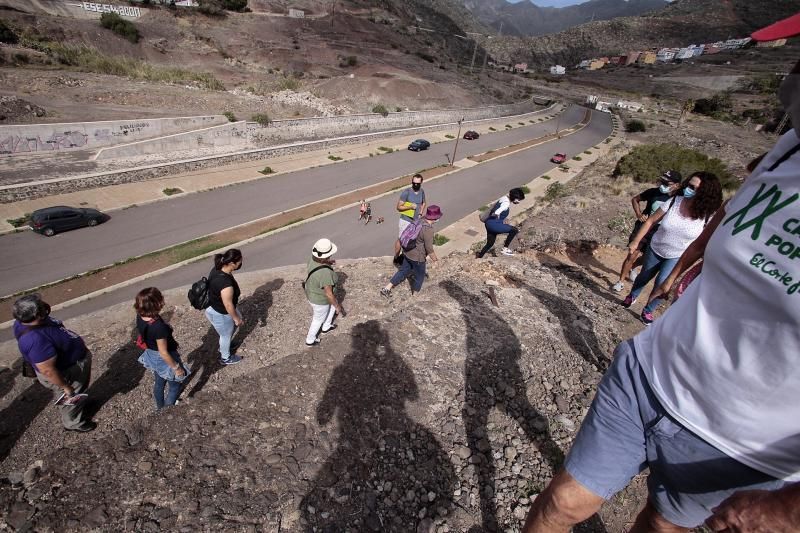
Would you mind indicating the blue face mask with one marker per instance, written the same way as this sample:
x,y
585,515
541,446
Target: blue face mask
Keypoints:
x,y
688,193
664,189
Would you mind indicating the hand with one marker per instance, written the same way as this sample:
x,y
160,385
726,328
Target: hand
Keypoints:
x,y
662,291
238,321
633,247
180,372
68,391
754,511
341,311
642,217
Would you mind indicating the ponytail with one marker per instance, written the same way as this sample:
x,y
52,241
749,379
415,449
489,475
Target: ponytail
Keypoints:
x,y
230,256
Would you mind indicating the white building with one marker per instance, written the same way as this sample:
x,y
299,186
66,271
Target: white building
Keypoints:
x,y
685,53
557,70
632,106
297,13
665,55
585,63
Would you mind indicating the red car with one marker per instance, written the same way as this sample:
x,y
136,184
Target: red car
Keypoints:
x,y
558,158
471,135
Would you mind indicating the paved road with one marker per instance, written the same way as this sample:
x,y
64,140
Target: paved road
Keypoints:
x,y
458,195
138,230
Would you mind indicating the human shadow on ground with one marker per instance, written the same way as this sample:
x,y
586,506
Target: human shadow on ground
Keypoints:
x,y
578,329
22,410
123,374
204,360
582,252
577,274
387,472
493,379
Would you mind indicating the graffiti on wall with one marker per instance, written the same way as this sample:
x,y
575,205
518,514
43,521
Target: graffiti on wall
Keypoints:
x,y
16,144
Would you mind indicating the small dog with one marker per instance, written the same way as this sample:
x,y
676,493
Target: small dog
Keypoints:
x,y
379,220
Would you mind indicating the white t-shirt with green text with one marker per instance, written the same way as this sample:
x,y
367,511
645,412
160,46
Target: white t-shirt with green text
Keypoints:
x,y
724,360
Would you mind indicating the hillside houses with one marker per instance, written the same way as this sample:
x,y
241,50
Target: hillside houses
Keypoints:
x,y
666,54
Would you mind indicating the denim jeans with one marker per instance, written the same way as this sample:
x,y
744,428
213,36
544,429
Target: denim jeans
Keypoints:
x,y
408,268
653,266
494,228
322,317
224,326
172,394
163,374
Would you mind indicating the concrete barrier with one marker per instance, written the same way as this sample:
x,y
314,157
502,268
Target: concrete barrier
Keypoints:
x,y
36,138
231,134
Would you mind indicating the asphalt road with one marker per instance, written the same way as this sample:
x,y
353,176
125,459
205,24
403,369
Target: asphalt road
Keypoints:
x,y
458,195
142,229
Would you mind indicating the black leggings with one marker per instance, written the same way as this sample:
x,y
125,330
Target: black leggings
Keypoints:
x,y
492,237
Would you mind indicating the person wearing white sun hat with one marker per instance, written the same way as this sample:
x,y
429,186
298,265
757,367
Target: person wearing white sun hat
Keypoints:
x,y
706,397
320,286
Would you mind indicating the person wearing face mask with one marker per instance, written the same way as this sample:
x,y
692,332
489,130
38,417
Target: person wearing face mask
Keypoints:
x,y
223,297
680,222
410,205
414,260
706,397
496,224
654,197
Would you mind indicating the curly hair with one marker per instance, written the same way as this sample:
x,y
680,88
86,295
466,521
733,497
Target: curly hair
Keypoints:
x,y
708,197
149,302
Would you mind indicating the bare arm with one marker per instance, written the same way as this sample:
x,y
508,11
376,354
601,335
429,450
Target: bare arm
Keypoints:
x,y
332,299
164,353
50,372
759,511
638,209
227,301
645,228
690,256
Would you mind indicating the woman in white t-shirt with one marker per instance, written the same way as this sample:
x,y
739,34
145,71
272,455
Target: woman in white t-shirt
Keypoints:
x,y
681,221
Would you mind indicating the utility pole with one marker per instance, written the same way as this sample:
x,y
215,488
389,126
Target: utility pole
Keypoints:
x,y
558,125
474,51
458,136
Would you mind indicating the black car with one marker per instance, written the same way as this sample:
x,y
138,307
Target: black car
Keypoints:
x,y
471,135
419,145
50,220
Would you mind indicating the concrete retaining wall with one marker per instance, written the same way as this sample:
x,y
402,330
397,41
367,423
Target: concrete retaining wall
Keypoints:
x,y
281,131
231,134
15,193
33,138
62,8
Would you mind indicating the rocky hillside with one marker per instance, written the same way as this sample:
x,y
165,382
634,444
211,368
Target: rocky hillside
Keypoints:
x,y
681,23
527,19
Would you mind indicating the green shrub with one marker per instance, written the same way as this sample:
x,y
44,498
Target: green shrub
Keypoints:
x,y
525,189
380,109
349,61
554,191
122,27
648,161
262,119
230,116
398,109
288,83
588,152
439,239
21,221
334,158
577,158
634,126
7,35
266,170
427,57
492,128
715,106
546,177
169,191
508,126
448,136
386,149
483,208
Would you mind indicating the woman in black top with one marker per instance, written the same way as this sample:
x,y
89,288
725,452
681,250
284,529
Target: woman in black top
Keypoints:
x,y
223,297
161,355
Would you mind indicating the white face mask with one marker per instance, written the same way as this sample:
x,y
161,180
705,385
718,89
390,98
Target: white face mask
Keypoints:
x,y
789,94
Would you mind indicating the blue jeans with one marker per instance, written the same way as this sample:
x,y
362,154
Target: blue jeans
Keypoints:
x,y
408,268
224,326
495,227
172,394
653,266
164,375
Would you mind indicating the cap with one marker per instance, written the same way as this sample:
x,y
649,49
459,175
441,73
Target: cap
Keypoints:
x,y
323,249
783,29
672,176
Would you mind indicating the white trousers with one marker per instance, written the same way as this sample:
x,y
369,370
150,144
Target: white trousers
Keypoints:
x,y
322,317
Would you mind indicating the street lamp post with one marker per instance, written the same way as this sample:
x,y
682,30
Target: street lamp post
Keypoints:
x,y
458,136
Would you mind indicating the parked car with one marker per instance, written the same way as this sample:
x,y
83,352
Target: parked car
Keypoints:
x,y
419,145
51,220
558,158
471,135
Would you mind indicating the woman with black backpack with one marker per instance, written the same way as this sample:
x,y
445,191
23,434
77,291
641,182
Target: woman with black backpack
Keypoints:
x,y
160,354
223,297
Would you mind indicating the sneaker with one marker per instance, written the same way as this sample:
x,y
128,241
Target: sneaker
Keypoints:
x,y
618,286
315,343
85,427
333,327
647,317
386,293
507,251
632,274
628,301
232,360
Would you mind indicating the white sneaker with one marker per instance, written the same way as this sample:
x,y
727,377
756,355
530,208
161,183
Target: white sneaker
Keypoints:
x,y
618,286
632,274
507,251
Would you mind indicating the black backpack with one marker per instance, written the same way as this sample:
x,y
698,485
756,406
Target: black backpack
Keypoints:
x,y
198,294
